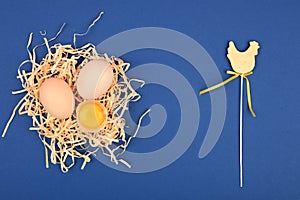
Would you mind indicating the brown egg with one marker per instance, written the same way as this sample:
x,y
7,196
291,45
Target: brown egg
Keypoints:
x,y
57,98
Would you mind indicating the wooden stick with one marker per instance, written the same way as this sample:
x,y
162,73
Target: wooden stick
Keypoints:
x,y
241,132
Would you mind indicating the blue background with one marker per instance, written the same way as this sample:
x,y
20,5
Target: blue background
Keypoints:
x,y
271,141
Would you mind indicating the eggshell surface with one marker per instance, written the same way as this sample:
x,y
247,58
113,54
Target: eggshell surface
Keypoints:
x,y
94,79
57,98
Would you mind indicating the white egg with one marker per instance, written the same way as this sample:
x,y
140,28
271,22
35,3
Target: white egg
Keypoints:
x,y
94,79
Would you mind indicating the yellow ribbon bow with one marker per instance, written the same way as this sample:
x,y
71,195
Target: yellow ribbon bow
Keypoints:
x,y
235,75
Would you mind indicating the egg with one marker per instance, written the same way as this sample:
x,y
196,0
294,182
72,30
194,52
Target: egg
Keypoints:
x,y
94,79
57,98
91,116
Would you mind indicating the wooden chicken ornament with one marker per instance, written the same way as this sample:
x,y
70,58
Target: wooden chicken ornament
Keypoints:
x,y
242,64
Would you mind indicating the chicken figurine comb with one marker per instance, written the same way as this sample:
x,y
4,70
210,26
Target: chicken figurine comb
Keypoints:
x,y
242,64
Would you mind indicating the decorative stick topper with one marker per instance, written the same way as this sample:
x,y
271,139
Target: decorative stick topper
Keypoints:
x,y
242,64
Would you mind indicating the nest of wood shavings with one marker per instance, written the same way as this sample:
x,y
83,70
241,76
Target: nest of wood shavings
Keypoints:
x,y
63,138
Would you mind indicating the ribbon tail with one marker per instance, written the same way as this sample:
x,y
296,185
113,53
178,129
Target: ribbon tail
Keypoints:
x,y
249,97
219,85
